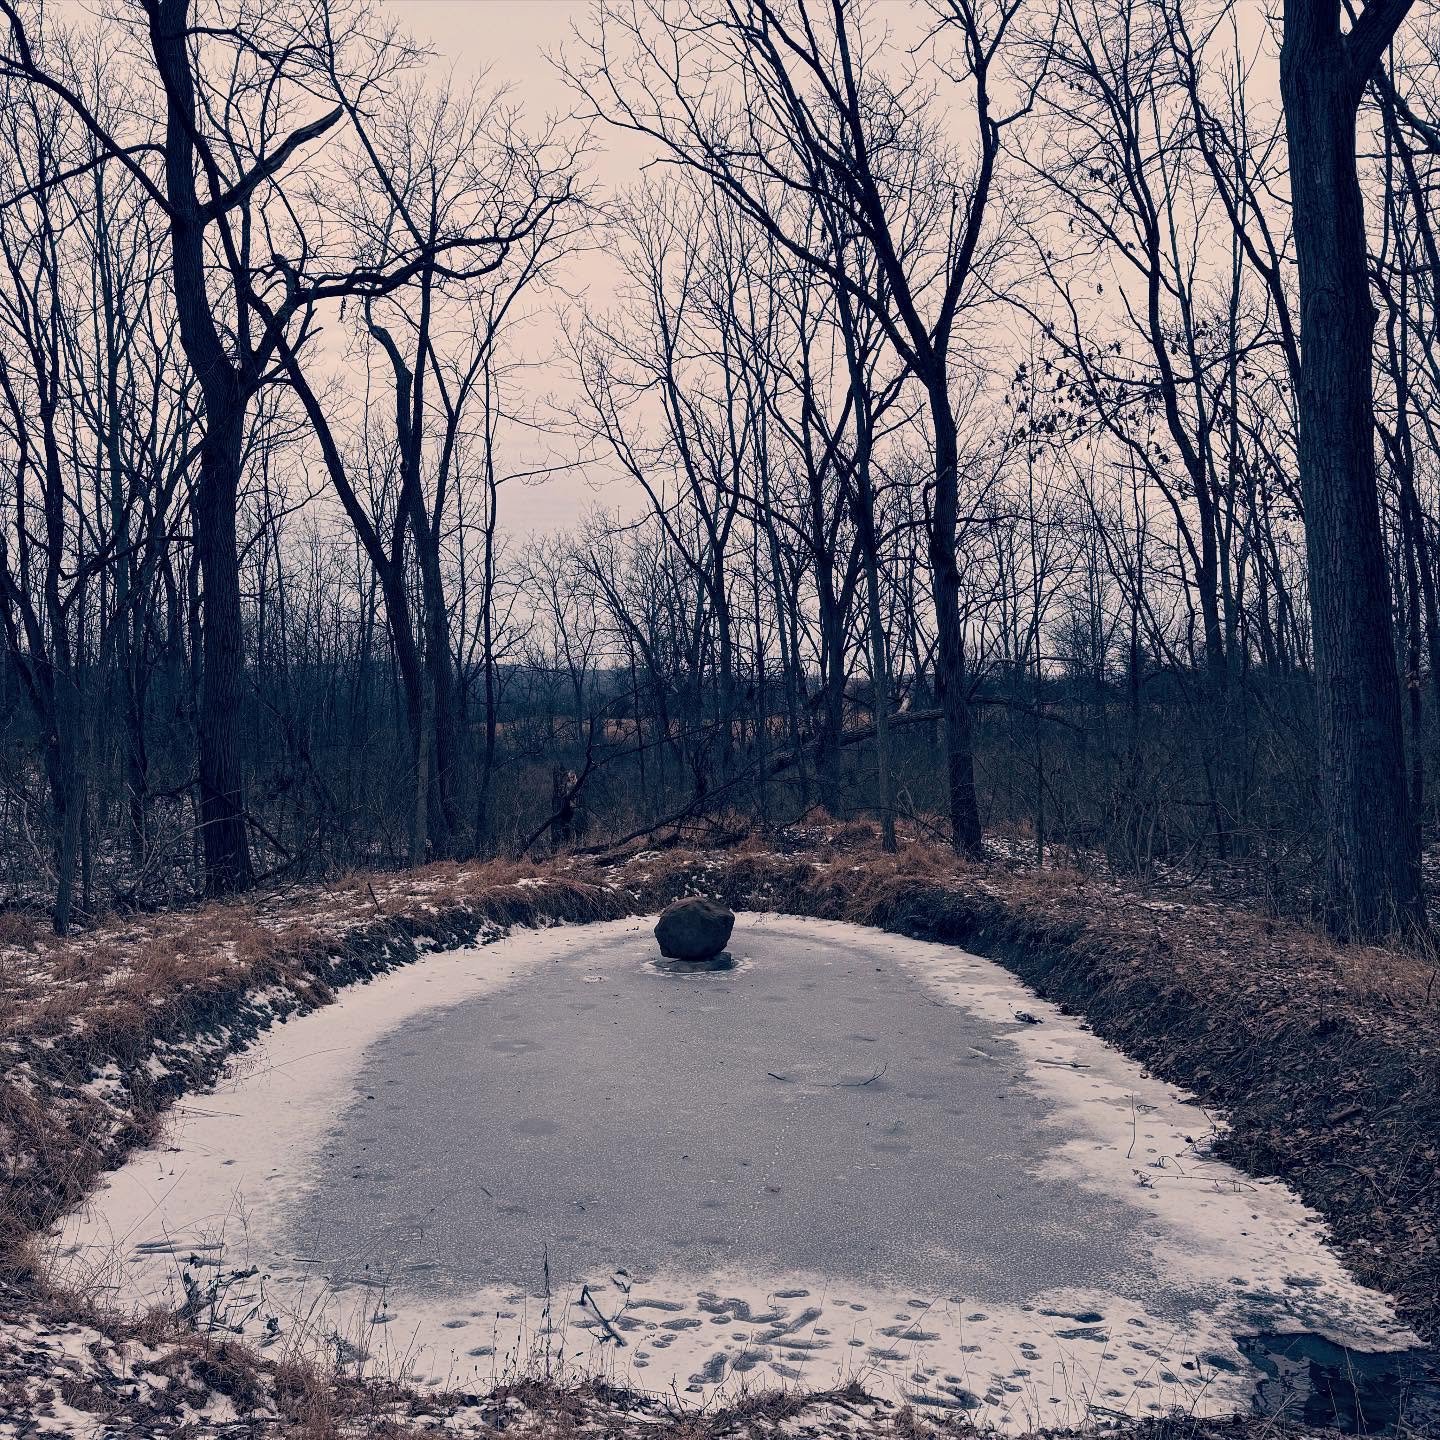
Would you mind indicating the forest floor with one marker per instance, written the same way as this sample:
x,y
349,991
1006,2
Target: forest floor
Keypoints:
x,y
1323,1060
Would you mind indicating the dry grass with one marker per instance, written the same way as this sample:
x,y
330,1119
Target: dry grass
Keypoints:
x,y
20,929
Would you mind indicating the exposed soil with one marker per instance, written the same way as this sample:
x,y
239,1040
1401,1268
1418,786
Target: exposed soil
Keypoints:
x,y
1325,1060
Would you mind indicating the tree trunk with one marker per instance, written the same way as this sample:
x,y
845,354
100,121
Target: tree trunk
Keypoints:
x,y
65,788
879,658
420,834
445,824
222,806
484,823
950,679
1372,859
828,762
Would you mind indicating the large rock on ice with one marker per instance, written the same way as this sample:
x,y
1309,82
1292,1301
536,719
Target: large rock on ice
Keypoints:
x,y
694,929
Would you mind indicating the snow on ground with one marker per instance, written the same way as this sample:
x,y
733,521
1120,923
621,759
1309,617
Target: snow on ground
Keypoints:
x,y
188,1221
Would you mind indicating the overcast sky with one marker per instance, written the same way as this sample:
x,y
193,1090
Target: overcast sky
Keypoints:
x,y
510,35
513,41
510,40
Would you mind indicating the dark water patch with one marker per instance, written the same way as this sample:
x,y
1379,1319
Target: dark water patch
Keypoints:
x,y
749,1360
1357,1392
935,1401
723,961
908,1332
713,1371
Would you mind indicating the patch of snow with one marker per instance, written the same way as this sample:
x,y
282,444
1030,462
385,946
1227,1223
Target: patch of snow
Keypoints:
x,y
214,1200
1146,1143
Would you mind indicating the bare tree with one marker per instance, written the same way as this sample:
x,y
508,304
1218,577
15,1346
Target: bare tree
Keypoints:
x,y
811,109
1372,851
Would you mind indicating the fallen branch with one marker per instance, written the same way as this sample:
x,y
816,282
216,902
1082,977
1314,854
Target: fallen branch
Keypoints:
x,y
588,1300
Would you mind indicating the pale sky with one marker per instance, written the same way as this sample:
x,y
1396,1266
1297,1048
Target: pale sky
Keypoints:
x,y
509,35
513,42
510,40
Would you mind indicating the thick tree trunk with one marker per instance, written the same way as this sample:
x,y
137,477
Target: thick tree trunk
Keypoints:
x,y
222,689
221,791
1372,860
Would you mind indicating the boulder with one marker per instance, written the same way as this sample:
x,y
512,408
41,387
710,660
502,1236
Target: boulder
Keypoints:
x,y
694,929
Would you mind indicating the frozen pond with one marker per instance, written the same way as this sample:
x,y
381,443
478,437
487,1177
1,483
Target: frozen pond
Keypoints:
x,y
852,1156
